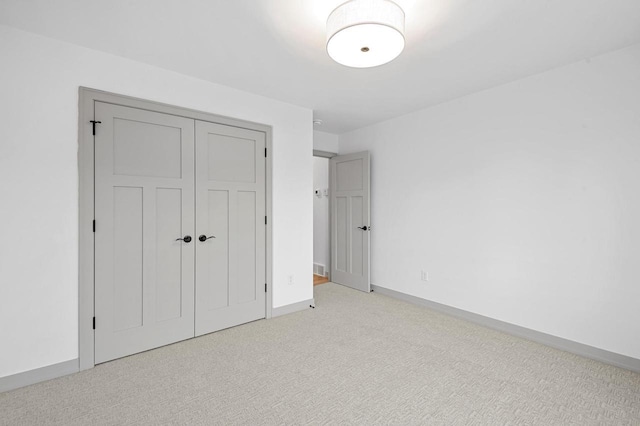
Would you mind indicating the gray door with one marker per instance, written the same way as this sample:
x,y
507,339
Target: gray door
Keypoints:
x,y
350,216
144,202
230,218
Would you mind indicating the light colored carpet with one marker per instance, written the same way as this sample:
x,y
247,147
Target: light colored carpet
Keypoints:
x,y
356,359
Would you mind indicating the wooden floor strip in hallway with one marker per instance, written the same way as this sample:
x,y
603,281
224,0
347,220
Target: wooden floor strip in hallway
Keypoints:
x,y
318,279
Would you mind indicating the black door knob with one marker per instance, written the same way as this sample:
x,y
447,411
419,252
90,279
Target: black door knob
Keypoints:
x,y
204,238
364,228
186,239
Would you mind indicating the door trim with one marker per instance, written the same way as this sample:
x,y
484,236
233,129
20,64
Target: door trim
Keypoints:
x,y
86,213
324,154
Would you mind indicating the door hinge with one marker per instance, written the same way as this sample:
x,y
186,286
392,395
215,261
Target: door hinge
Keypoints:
x,y
94,122
94,323
94,225
265,152
265,220
265,287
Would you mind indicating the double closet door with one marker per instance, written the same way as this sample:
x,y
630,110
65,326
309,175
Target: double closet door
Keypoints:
x,y
179,231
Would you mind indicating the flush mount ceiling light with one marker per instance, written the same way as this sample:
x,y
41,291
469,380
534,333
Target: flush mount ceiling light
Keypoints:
x,y
365,33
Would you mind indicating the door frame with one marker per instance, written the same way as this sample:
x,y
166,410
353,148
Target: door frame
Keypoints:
x,y
86,212
328,155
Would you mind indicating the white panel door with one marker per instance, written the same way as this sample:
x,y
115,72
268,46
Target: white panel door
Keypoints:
x,y
144,202
230,221
350,215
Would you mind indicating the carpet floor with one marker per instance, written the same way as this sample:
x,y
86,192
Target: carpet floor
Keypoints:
x,y
356,359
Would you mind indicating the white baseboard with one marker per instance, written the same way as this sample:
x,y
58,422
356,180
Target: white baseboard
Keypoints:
x,y
581,349
38,375
294,307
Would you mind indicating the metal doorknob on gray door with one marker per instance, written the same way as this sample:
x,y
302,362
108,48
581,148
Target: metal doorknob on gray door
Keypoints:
x,y
364,228
204,238
186,239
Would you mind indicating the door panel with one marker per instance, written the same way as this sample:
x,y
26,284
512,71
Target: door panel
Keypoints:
x,y
358,237
146,149
217,292
169,256
127,257
349,174
350,211
230,189
144,200
231,159
246,247
341,248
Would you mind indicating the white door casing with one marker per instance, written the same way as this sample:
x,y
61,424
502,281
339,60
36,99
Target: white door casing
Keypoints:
x,y
90,128
350,220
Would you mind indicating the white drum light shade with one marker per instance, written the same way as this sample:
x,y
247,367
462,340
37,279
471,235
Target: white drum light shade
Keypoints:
x,y
365,33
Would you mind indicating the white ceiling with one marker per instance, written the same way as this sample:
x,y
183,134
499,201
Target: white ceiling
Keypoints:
x,y
276,48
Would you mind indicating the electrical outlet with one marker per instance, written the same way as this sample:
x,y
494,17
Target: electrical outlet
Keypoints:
x,y
424,275
290,280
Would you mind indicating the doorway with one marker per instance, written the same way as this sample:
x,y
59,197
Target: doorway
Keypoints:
x,y
321,222
174,229
342,219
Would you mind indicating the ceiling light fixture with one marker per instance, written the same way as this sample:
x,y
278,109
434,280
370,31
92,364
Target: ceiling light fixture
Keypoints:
x,y
365,33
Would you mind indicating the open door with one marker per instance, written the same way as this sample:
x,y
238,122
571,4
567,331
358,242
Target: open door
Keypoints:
x,y
350,220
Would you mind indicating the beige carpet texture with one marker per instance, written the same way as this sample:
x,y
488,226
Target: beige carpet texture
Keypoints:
x,y
356,359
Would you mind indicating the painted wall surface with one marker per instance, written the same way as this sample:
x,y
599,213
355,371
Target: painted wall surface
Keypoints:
x,y
321,212
323,141
39,80
522,202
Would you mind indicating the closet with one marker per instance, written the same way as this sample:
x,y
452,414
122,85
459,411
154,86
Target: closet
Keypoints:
x,y
179,228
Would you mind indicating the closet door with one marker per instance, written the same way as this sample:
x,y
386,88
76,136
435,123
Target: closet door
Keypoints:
x,y
144,207
230,222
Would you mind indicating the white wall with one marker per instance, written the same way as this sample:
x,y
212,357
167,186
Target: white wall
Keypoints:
x,y
522,202
321,212
323,141
39,80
